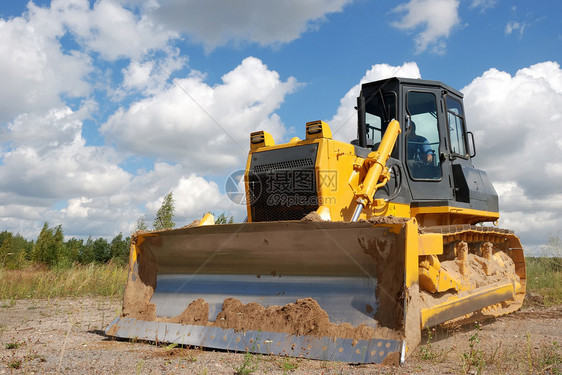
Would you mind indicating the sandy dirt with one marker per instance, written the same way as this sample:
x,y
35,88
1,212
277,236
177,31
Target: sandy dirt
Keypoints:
x,y
66,336
303,317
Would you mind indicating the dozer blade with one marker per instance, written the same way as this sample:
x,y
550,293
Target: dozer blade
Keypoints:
x,y
322,290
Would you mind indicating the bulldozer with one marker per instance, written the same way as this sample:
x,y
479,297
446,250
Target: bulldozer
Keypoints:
x,y
349,250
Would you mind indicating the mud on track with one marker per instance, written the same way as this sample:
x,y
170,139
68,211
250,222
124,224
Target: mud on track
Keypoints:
x,y
66,336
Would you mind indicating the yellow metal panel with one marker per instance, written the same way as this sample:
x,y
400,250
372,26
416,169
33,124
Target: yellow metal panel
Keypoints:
x,y
247,187
412,258
261,139
394,209
463,305
430,244
334,166
318,129
454,210
433,278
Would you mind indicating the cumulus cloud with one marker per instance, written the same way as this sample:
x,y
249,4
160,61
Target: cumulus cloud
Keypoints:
x,y
436,17
216,23
204,128
149,76
48,158
516,121
46,163
110,29
38,70
194,196
35,71
344,122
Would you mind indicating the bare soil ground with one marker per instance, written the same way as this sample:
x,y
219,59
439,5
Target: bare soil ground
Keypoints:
x,y
66,336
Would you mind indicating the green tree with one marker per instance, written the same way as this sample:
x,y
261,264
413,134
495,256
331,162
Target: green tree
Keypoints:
x,y
58,243
87,255
13,250
553,252
73,249
5,248
101,250
40,250
95,251
49,245
141,224
165,215
119,249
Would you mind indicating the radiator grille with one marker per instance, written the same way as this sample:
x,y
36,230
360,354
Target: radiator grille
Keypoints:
x,y
293,164
283,184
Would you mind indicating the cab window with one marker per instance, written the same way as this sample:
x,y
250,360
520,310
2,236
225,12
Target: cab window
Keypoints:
x,y
455,118
380,110
422,138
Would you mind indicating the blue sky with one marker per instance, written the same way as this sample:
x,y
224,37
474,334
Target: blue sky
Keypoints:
x,y
108,105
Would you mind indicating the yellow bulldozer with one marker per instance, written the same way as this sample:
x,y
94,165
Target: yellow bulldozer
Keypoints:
x,y
349,250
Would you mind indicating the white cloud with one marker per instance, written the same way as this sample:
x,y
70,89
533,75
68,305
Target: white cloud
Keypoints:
x,y
513,26
344,122
50,159
216,23
110,29
21,211
517,125
437,17
150,76
193,197
483,4
50,129
204,128
35,72
77,207
47,164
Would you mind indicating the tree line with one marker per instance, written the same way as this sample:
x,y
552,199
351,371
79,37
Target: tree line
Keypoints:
x,y
51,250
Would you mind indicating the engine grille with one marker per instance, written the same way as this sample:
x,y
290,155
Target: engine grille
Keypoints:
x,y
293,164
282,183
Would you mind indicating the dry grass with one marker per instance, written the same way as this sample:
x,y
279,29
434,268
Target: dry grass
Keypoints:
x,y
544,277
77,281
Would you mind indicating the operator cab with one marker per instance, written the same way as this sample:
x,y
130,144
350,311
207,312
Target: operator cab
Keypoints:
x,y
431,160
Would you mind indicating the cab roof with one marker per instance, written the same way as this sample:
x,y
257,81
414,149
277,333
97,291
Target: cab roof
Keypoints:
x,y
413,82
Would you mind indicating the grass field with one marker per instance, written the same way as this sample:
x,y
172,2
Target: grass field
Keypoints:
x,y
77,281
544,277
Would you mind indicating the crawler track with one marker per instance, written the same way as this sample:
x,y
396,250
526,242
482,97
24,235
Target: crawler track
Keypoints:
x,y
502,240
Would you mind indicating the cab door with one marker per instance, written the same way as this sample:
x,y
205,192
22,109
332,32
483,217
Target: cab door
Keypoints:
x,y
425,149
